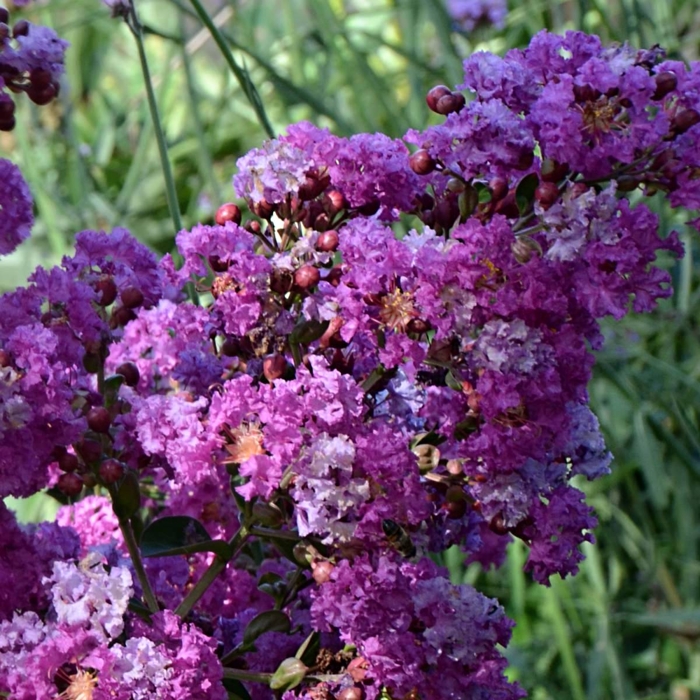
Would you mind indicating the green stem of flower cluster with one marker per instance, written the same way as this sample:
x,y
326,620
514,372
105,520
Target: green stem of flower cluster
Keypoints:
x,y
133,549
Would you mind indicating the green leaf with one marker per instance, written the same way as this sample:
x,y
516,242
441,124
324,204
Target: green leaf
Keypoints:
x,y
235,689
127,499
307,332
180,534
525,192
268,621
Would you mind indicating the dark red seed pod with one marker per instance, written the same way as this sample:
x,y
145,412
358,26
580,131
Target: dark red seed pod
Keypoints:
x,y
450,103
328,241
68,462
21,28
130,372
107,290
334,202
421,162
40,77
120,317
4,16
111,470
263,209
498,187
43,95
228,212
132,297
306,277
7,123
685,120
274,367
666,82
546,194
498,525
5,358
311,188
7,107
98,419
552,171
89,450
435,94
70,484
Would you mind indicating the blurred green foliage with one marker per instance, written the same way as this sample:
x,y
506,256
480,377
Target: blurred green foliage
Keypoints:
x,y
628,626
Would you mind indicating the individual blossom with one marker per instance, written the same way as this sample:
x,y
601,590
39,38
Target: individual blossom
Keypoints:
x,y
16,216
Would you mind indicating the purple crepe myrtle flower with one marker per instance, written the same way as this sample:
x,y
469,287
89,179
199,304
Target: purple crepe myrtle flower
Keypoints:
x,y
16,216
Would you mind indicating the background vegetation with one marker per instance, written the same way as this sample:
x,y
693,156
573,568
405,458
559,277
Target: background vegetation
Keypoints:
x,y
628,626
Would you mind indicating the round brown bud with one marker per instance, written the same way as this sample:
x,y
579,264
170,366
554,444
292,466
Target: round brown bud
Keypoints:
x,y
132,297
68,462
43,95
586,93
70,484
328,241
4,16
311,187
685,120
228,212
450,103
7,108
7,123
89,450
435,94
120,317
321,571
334,202
280,280
665,82
5,358
40,77
111,470
263,209
546,194
21,28
552,171
106,287
498,187
98,419
306,276
253,227
421,162
130,372
274,367
353,693
627,183
419,326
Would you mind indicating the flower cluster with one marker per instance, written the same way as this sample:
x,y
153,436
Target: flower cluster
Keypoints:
x,y
272,466
31,61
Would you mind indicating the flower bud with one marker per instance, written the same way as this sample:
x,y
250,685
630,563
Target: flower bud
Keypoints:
x,y
274,367
70,484
21,28
666,82
455,502
353,693
263,209
334,201
106,287
280,280
111,470
552,171
333,276
4,16
418,326
524,248
130,372
68,462
268,514
684,120
40,77
42,95
450,103
120,317
321,571
434,94
228,212
89,450
217,264
328,241
421,162
289,674
306,276
546,194
98,419
312,187
132,297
